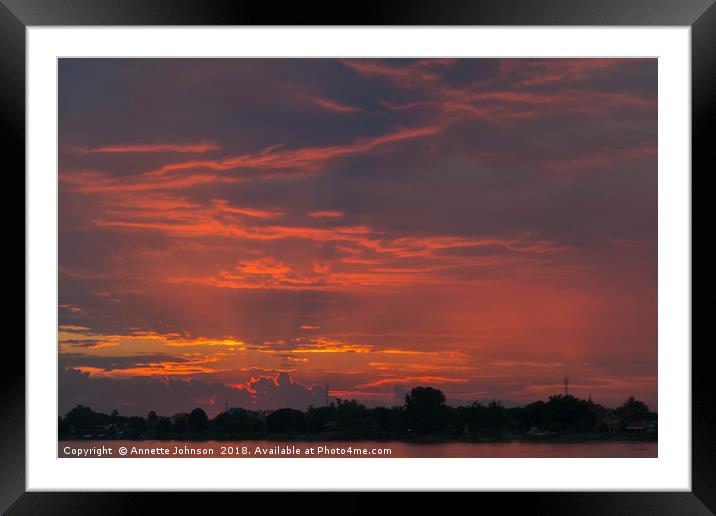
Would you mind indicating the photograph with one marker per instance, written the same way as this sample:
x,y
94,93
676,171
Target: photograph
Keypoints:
x,y
412,248
409,257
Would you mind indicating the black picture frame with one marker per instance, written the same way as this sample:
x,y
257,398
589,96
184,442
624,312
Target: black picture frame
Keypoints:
x,y
699,15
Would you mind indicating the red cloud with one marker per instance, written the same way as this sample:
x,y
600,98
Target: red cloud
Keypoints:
x,y
409,74
329,214
309,158
190,148
332,105
183,174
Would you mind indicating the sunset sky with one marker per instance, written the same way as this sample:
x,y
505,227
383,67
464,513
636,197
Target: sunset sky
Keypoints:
x,y
252,230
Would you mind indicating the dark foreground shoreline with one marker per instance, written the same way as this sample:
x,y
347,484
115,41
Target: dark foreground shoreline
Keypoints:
x,y
425,418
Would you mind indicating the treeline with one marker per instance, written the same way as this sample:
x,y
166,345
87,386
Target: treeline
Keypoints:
x,y
424,415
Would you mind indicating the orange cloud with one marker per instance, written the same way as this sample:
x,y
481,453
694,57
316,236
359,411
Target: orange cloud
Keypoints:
x,y
268,266
73,334
166,368
90,182
225,207
437,380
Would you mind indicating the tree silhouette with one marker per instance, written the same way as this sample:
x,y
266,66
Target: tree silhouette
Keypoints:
x,y
135,427
80,419
425,410
163,427
492,420
286,421
62,427
633,409
238,421
181,422
425,413
198,421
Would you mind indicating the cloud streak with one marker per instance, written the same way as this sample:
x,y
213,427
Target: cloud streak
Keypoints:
x,y
189,148
332,105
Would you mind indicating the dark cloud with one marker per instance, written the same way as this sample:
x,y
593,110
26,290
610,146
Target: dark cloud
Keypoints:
x,y
132,396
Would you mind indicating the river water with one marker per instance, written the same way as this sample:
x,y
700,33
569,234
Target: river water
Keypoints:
x,y
347,449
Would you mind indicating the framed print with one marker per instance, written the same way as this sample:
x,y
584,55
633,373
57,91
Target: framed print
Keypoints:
x,y
423,248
